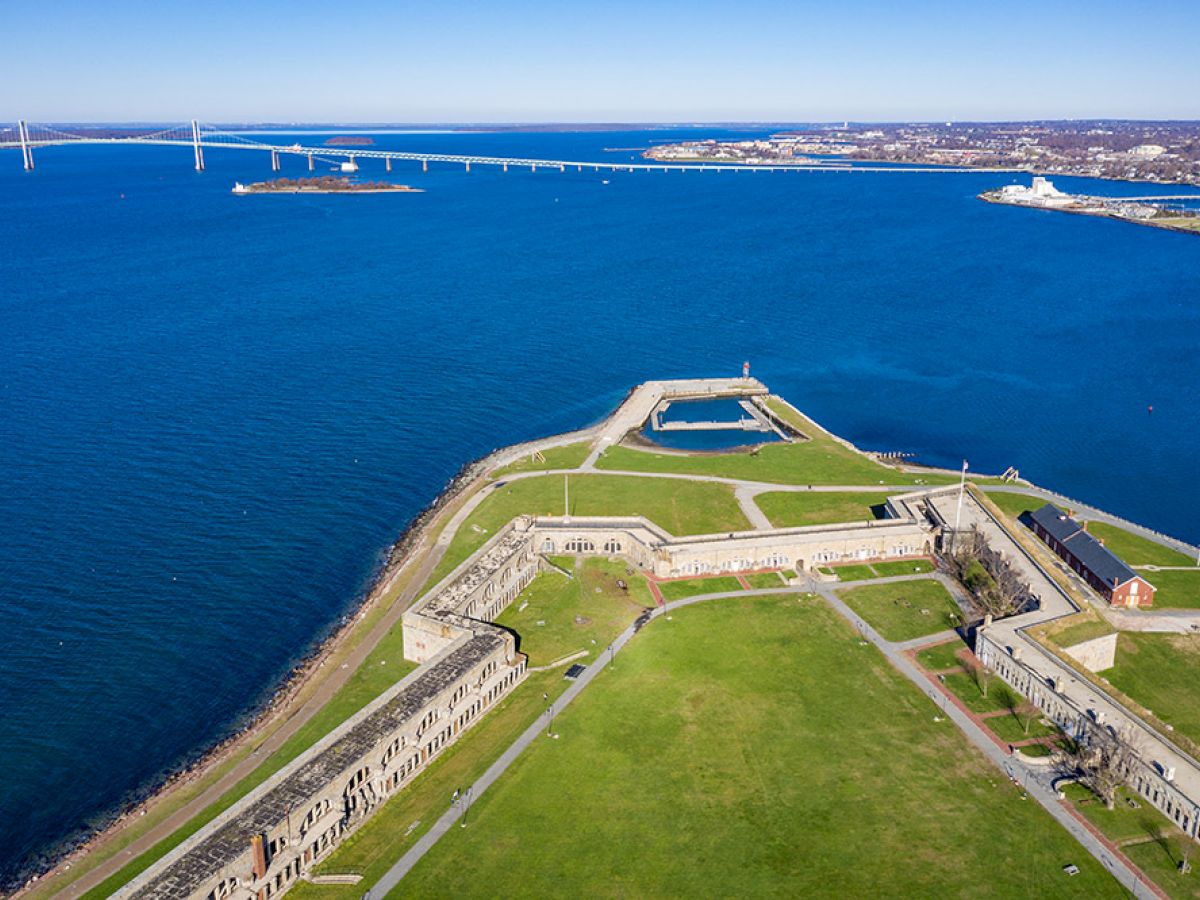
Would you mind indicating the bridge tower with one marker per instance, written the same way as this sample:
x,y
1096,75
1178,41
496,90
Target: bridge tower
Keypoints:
x,y
26,150
196,146
310,162
387,163
274,160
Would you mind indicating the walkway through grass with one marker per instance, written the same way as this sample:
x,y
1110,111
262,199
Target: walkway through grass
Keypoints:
x,y
725,755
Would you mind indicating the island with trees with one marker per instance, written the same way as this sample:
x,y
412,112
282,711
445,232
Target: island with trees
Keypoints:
x,y
324,184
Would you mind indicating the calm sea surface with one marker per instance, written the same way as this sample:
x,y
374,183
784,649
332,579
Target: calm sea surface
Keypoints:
x,y
216,412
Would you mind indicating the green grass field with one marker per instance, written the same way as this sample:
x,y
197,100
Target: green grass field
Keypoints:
x,y
762,580
1136,550
1015,504
1147,837
568,456
754,748
790,509
690,587
1175,589
1076,629
681,507
941,657
888,569
966,688
1009,727
581,613
1161,671
904,610
820,460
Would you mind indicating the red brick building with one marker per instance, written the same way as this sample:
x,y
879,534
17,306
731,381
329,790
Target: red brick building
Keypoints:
x,y
1099,566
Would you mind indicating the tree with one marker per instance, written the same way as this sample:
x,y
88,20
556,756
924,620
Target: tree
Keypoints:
x,y
1102,759
1025,712
979,672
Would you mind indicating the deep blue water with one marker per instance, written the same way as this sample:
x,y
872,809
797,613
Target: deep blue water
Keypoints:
x,y
216,412
723,410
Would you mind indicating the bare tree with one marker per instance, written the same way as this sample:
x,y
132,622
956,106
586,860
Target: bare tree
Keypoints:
x,y
1103,758
989,577
1025,712
979,672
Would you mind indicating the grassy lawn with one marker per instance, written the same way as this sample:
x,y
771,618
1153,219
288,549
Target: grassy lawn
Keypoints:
x,y
690,587
1136,550
902,567
1084,626
1175,589
1161,671
1159,859
941,657
1035,751
1126,821
964,686
1015,504
581,613
820,460
867,571
853,572
1010,728
383,668
790,509
681,507
760,580
568,456
677,775
904,610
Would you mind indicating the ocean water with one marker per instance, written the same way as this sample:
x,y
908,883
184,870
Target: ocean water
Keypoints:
x,y
217,412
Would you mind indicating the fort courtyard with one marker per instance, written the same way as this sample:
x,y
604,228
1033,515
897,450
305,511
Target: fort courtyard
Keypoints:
x,y
625,670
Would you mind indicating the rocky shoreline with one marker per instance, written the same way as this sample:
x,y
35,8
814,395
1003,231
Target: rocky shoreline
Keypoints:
x,y
195,767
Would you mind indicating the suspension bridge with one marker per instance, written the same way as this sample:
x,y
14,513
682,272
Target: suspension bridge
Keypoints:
x,y
28,137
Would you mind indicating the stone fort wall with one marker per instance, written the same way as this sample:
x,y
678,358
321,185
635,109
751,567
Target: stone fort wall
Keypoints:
x,y
270,839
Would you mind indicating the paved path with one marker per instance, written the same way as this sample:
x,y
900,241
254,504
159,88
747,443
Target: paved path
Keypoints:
x,y
1036,780
745,498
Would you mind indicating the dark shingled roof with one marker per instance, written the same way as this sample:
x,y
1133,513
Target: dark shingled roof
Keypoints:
x,y
1092,554
1058,523
297,789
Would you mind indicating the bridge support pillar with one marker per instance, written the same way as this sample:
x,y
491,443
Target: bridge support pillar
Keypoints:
x,y
505,167
274,161
310,162
533,167
387,163
468,165
197,149
561,167
424,165
26,150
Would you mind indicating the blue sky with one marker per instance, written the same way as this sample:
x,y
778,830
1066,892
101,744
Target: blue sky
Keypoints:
x,y
656,60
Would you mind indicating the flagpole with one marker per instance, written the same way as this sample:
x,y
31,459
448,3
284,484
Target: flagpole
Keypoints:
x,y
962,483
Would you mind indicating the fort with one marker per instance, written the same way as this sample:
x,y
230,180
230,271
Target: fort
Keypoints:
x,y
272,838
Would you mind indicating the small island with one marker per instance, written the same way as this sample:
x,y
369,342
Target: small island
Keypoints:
x,y
1042,194
325,184
350,140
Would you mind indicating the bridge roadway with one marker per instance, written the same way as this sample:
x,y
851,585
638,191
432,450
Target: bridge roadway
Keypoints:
x,y
466,159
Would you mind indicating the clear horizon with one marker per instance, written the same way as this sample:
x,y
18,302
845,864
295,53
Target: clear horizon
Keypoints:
x,y
532,61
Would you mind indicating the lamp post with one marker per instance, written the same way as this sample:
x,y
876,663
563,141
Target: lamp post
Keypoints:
x,y
466,805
